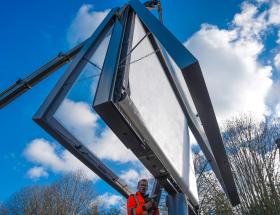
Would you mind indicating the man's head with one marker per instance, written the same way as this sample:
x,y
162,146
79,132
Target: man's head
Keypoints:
x,y
142,186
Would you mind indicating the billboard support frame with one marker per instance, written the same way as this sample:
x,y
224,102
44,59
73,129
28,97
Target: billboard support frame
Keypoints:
x,y
45,115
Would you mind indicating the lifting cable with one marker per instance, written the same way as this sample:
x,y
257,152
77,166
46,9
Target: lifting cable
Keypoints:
x,y
137,44
121,63
152,4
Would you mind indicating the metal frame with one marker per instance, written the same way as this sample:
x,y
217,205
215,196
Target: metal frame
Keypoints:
x,y
177,204
44,117
113,104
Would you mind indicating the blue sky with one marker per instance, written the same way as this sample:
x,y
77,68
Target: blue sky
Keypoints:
x,y
236,42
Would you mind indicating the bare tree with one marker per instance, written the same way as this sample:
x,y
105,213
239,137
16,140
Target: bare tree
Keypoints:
x,y
211,196
71,194
254,159
3,209
26,201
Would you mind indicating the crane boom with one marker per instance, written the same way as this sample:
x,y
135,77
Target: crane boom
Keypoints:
x,y
23,85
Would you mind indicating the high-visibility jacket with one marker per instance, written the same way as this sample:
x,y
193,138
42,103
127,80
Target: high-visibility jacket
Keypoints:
x,y
135,204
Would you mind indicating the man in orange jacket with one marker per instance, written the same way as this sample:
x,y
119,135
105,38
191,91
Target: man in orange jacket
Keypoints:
x,y
139,204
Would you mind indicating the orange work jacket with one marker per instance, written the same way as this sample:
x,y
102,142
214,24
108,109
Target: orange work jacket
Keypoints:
x,y
135,205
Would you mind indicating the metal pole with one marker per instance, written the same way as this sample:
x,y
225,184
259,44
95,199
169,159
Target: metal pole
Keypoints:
x,y
177,204
156,190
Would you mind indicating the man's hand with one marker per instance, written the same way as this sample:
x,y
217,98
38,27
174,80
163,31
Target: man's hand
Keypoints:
x,y
148,205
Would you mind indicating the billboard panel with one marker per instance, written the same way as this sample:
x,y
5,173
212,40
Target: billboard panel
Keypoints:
x,y
154,98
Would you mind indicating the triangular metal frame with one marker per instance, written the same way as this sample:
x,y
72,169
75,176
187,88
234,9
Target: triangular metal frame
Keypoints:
x,y
45,115
113,104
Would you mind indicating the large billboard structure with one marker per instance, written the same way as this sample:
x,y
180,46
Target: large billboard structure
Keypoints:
x,y
135,101
147,84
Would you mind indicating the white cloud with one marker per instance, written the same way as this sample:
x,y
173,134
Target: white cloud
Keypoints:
x,y
262,1
192,138
37,172
41,151
78,118
236,81
109,147
277,61
44,153
278,40
132,176
84,24
250,22
81,121
108,200
273,97
273,13
277,110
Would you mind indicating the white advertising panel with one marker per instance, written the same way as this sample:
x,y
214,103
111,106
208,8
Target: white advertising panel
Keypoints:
x,y
159,108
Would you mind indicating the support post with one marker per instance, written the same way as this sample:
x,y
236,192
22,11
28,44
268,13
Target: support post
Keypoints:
x,y
156,190
177,204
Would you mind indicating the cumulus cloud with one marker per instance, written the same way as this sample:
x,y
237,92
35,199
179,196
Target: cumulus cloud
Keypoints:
x,y
84,24
81,121
277,110
132,176
108,200
250,22
78,118
109,147
273,13
277,61
43,153
278,40
37,172
236,80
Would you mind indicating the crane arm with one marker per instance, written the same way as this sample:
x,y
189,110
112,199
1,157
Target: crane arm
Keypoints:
x,y
23,85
